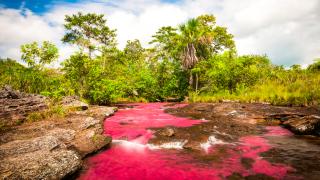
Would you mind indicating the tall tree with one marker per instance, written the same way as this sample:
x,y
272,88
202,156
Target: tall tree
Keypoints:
x,y
197,39
37,56
76,69
134,51
88,31
165,41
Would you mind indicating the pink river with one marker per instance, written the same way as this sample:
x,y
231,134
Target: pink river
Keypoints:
x,y
130,156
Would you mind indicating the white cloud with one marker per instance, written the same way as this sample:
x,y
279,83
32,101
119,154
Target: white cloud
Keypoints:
x,y
286,30
18,28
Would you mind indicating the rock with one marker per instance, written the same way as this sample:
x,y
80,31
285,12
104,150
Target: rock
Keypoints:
x,y
40,165
52,148
64,135
101,111
74,102
167,132
9,93
109,111
88,122
15,106
283,116
26,146
306,125
87,142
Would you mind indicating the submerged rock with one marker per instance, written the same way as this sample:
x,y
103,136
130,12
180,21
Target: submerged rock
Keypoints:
x,y
167,132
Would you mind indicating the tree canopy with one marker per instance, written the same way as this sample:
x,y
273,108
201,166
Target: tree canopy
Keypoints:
x,y
88,31
37,56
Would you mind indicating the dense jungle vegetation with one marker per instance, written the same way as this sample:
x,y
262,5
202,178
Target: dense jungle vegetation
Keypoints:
x,y
197,59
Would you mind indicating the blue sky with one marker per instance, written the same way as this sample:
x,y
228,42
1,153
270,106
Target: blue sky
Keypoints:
x,y
286,30
37,6
41,6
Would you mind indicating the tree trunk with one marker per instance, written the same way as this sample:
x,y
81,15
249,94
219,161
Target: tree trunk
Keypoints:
x,y
191,80
90,52
104,63
196,82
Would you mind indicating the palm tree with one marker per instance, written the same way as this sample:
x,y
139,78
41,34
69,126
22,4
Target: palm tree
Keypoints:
x,y
197,39
191,37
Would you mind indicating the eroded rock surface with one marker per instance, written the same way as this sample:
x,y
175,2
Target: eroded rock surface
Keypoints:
x,y
50,149
42,164
15,106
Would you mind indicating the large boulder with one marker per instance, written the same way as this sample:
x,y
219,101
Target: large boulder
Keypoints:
x,y
89,141
306,125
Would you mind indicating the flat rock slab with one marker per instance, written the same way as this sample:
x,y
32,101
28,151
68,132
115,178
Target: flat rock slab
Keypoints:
x,y
42,164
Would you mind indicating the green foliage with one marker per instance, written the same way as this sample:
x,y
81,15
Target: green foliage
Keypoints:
x,y
37,57
229,72
197,39
88,31
278,86
315,67
76,70
105,91
51,112
49,82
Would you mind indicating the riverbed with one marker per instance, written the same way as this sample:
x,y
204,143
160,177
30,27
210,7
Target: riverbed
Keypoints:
x,y
152,141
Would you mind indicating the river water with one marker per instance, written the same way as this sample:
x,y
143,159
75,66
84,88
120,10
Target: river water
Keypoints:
x,y
275,154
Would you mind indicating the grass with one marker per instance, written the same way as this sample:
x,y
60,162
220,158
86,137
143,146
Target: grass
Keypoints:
x,y
302,91
56,111
131,100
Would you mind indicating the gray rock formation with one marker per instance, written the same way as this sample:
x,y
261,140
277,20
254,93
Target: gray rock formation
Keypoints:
x,y
15,106
48,149
42,164
26,146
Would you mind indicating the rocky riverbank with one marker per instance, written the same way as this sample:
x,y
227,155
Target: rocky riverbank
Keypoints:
x,y
47,149
228,122
300,120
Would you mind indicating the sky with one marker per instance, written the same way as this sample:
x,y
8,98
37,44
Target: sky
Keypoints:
x,y
287,31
